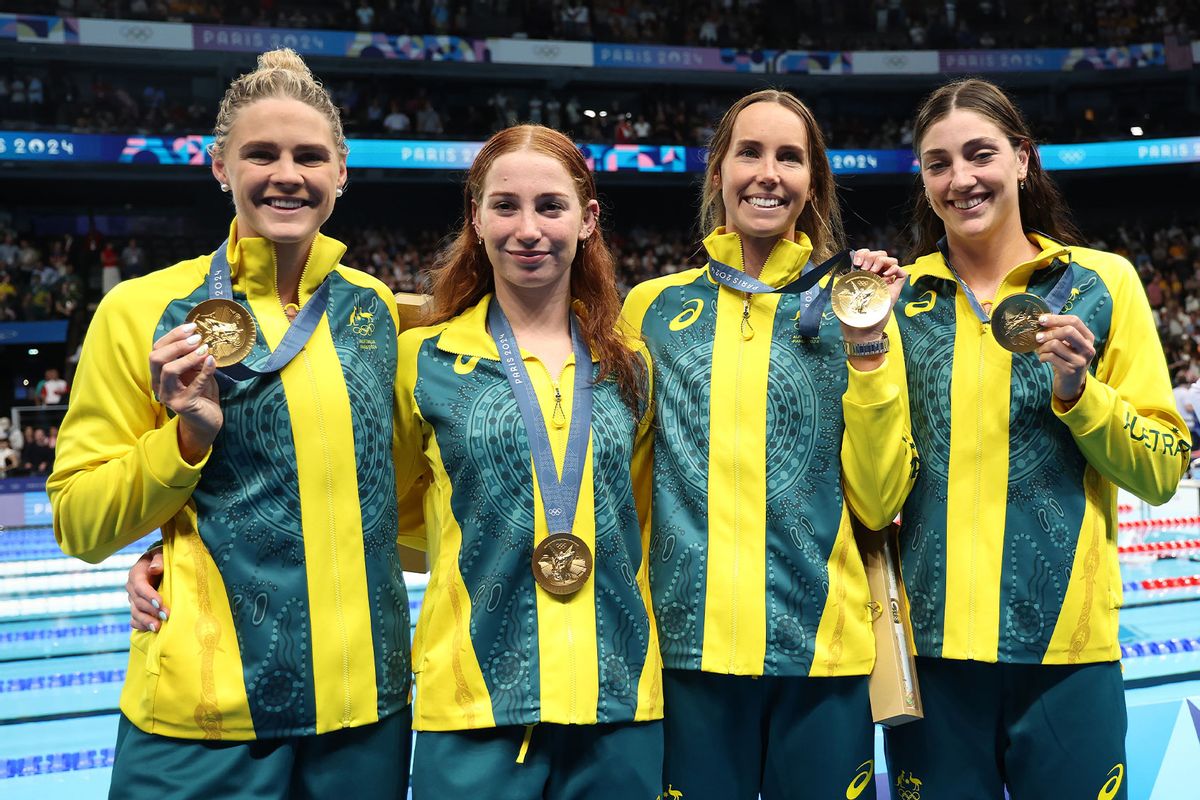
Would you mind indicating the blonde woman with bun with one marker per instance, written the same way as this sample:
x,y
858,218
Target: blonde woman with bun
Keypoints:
x,y
284,669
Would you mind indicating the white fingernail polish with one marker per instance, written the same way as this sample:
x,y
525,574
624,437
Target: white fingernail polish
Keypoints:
x,y
153,628
162,615
194,339
188,327
202,349
155,604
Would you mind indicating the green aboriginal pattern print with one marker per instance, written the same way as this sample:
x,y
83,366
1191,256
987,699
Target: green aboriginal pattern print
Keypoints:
x,y
486,454
926,317
804,489
622,625
805,385
1045,501
365,340
248,514
1045,484
678,328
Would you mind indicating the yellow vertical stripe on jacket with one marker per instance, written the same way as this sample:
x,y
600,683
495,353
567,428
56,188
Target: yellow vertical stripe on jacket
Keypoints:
x,y
569,675
978,451
735,623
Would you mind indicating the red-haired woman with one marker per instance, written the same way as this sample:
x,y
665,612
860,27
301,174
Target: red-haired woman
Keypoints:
x,y
536,655
773,425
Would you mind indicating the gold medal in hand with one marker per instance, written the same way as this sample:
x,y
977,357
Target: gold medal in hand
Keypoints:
x,y
226,327
1015,322
860,298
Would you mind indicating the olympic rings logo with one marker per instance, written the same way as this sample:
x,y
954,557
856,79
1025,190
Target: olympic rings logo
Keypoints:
x,y
1073,156
137,33
547,51
896,61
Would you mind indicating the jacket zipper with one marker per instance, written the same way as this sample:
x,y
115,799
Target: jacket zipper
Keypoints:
x,y
983,332
299,283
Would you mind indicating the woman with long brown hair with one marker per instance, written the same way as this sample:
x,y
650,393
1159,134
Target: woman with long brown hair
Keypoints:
x,y
775,423
1038,386
536,655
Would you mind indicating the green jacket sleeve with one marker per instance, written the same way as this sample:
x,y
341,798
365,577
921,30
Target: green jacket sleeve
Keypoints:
x,y
118,473
1126,423
879,458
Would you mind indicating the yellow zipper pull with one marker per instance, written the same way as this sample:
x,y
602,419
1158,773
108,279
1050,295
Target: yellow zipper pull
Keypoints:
x,y
747,328
558,416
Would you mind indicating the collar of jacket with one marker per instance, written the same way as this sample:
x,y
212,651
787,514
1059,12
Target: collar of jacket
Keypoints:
x,y
253,266
933,265
784,264
467,334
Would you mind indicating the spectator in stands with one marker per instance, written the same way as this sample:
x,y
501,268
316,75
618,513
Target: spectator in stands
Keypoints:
x,y
10,459
133,259
51,390
37,457
744,584
254,483
1010,660
110,268
397,122
365,14
429,121
1187,402
9,250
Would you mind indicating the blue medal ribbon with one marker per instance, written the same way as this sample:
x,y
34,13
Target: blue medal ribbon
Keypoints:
x,y
814,297
293,341
560,496
1056,299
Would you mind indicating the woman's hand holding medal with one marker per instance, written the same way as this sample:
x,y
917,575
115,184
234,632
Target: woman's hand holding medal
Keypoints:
x,y
183,376
863,299
888,269
1069,346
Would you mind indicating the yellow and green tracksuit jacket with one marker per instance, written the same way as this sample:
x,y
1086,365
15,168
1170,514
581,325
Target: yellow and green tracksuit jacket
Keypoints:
x,y
1010,535
288,609
492,647
764,446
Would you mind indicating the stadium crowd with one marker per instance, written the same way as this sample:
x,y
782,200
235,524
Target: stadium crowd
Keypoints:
x,y
75,99
744,24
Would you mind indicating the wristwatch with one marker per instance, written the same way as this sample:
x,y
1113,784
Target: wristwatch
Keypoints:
x,y
867,349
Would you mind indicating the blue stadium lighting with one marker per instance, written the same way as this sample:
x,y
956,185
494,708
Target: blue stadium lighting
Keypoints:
x,y
416,154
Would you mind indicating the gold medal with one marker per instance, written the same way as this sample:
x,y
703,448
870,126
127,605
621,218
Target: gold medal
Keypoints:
x,y
860,298
1015,322
562,563
226,327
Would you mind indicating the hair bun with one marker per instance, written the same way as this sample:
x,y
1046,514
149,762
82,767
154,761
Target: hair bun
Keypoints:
x,y
283,58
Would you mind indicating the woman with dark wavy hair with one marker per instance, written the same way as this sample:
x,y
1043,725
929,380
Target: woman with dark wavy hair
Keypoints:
x,y
1038,386
536,654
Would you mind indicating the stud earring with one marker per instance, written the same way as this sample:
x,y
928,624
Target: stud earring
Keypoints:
x,y
225,187
339,192
1021,184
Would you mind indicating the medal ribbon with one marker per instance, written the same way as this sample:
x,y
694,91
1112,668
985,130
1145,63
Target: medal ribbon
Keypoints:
x,y
293,341
560,496
814,298
1056,299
